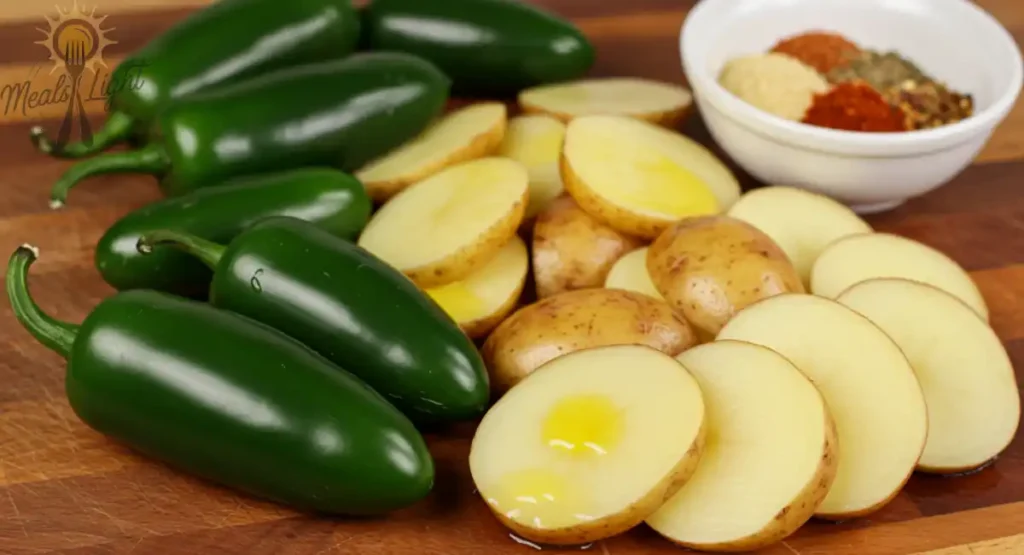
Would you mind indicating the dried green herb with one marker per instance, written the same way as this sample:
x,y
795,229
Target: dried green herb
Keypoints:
x,y
881,70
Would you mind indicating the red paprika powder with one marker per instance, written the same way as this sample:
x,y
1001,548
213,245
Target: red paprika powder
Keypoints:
x,y
854,106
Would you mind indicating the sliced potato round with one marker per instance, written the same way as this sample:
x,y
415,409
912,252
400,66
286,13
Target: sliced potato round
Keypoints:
x,y
451,224
536,142
471,132
630,273
654,101
770,458
879,255
709,268
576,320
482,300
590,445
801,222
639,178
967,377
867,383
572,250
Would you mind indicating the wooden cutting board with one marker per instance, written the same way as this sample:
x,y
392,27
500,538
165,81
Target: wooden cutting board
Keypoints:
x,y
66,489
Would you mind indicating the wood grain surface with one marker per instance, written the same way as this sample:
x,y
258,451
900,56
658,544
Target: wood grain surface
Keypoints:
x,y
66,489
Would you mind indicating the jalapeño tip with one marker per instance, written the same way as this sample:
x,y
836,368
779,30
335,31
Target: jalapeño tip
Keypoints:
x,y
143,245
38,136
32,250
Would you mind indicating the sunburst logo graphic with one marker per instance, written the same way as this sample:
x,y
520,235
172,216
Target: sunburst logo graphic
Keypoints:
x,y
74,29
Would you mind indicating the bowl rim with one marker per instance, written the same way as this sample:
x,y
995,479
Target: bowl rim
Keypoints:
x,y
887,144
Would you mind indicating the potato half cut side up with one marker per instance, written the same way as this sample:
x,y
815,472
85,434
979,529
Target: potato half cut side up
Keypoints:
x,y
572,250
640,178
471,132
482,300
630,273
577,320
801,222
709,268
882,255
964,370
653,101
536,142
867,383
770,455
451,224
589,445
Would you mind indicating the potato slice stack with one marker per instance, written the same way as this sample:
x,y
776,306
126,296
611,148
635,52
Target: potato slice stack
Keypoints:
x,y
721,366
449,215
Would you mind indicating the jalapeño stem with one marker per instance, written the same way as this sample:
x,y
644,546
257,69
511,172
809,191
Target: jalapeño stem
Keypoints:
x,y
57,335
206,251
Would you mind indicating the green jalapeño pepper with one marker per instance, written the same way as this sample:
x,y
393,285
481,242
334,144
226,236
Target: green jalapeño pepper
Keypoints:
x,y
487,47
227,42
339,114
225,398
350,307
330,199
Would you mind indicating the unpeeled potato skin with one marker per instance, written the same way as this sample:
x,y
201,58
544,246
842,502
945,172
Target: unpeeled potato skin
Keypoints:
x,y
471,258
671,118
625,520
791,517
481,146
710,267
575,320
606,212
573,251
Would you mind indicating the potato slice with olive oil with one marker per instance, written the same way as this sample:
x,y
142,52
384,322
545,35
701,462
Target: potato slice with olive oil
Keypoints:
x,y
644,99
471,132
589,445
630,273
442,229
770,457
536,142
481,301
639,178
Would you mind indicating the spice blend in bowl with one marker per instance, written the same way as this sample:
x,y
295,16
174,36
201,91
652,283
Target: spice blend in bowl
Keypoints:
x,y
824,79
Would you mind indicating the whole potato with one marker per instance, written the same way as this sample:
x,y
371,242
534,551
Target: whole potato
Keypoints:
x,y
572,250
708,268
582,319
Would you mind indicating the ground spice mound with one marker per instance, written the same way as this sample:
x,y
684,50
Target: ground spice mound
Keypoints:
x,y
855,106
821,50
776,83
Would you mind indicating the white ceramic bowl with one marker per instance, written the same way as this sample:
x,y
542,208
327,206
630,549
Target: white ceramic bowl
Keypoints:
x,y
953,40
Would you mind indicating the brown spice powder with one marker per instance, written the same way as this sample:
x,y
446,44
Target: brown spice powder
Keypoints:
x,y
821,50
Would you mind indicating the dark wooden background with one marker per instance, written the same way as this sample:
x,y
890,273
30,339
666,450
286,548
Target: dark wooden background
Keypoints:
x,y
66,489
